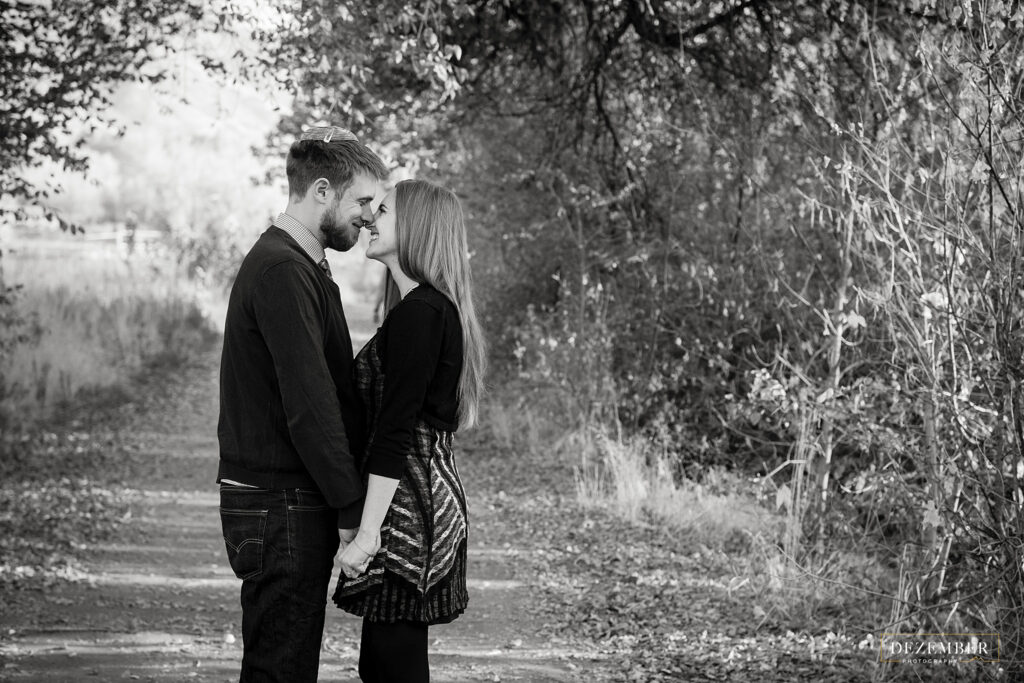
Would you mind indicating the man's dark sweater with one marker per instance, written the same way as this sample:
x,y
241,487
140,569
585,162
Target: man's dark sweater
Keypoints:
x,y
289,416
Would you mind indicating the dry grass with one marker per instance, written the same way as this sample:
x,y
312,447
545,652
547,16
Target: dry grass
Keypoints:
x,y
93,320
733,521
722,514
639,482
630,477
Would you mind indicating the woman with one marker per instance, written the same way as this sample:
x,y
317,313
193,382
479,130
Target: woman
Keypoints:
x,y
421,378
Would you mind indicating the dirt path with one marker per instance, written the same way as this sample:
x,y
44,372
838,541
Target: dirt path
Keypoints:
x,y
159,603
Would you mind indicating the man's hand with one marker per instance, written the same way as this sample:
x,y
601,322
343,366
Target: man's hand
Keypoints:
x,y
358,553
346,536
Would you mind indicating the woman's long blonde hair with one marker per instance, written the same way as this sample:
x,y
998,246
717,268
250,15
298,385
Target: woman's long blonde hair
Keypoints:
x,y
432,249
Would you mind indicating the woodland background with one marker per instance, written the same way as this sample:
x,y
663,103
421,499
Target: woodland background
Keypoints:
x,y
752,268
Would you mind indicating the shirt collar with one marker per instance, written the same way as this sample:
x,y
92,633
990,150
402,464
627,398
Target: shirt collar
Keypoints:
x,y
303,235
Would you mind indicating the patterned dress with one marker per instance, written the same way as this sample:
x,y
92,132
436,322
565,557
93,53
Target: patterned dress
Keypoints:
x,y
419,573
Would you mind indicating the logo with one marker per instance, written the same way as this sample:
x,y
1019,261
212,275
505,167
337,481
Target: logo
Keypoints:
x,y
938,648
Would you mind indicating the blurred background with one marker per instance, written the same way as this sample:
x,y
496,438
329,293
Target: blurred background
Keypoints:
x,y
751,269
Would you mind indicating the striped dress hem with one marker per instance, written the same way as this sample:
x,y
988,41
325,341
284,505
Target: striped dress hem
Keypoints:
x,y
394,599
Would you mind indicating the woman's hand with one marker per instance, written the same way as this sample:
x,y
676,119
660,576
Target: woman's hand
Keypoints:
x,y
356,556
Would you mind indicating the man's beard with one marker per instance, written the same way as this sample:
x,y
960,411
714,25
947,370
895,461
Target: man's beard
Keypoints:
x,y
337,236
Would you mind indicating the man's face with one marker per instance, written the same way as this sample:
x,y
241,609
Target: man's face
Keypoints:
x,y
341,222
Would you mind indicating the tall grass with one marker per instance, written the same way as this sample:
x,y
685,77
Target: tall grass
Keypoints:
x,y
639,482
91,319
630,477
753,530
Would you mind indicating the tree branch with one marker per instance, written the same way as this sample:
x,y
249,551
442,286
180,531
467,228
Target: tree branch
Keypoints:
x,y
650,31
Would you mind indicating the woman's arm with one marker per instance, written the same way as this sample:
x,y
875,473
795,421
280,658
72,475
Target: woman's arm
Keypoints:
x,y
379,492
410,349
412,344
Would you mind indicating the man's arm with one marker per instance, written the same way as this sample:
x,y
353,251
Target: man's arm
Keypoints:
x,y
289,314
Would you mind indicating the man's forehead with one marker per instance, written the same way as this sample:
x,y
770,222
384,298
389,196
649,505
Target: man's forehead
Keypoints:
x,y
363,185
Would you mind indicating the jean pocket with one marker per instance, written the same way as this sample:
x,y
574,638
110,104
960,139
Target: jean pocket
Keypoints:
x,y
307,500
243,538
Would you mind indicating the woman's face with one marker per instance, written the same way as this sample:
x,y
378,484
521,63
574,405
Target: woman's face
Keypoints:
x,y
383,240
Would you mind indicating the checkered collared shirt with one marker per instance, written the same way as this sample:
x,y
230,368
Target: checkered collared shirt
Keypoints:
x,y
303,235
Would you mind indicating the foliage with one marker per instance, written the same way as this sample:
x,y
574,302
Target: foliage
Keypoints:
x,y
16,326
184,174
397,71
779,237
937,264
762,234
699,234
60,61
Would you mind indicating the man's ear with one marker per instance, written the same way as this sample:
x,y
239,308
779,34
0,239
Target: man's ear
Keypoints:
x,y
321,190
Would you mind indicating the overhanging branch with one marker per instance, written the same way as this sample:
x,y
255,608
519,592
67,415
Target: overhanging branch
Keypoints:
x,y
649,29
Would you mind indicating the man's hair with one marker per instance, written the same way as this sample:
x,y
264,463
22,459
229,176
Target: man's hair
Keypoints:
x,y
338,161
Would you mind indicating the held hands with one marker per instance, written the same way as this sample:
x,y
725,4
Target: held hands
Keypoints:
x,y
356,555
346,536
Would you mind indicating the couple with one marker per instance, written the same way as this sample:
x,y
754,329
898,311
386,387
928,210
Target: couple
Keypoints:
x,y
320,452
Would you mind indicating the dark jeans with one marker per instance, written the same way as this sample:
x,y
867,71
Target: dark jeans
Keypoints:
x,y
282,545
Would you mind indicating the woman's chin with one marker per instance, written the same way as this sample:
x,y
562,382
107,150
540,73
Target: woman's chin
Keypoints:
x,y
376,253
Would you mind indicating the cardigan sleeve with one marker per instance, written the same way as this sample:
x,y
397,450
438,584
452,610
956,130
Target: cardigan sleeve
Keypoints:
x,y
413,337
289,313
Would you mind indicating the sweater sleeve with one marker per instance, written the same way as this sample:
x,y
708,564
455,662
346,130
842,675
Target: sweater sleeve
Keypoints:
x,y
412,344
290,317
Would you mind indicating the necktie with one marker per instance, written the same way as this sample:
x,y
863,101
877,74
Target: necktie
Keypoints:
x,y
326,267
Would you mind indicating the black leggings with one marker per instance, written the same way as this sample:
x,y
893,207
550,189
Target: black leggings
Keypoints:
x,y
393,653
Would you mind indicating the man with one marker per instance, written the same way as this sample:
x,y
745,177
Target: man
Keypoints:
x,y
290,426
